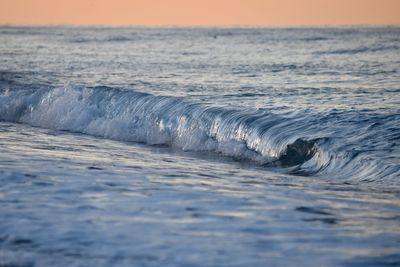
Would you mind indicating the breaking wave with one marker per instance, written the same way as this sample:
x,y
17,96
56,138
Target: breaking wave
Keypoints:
x,y
300,143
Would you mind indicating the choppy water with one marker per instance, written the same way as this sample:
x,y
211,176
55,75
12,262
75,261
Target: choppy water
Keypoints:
x,y
199,146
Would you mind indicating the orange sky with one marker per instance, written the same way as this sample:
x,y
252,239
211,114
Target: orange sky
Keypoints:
x,y
200,12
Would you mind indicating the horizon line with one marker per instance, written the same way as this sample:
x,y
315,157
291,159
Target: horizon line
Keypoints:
x,y
115,25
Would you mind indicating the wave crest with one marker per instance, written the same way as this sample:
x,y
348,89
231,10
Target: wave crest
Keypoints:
x,y
126,115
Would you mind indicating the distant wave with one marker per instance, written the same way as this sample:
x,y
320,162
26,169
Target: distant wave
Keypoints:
x,y
296,142
315,38
81,39
358,50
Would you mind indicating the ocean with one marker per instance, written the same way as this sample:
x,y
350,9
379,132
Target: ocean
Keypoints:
x,y
135,146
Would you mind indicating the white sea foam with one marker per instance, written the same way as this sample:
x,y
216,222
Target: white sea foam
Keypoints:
x,y
138,117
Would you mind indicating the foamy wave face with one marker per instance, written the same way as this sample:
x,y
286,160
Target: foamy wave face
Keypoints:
x,y
296,142
139,117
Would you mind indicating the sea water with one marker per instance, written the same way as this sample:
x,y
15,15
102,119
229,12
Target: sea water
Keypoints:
x,y
133,146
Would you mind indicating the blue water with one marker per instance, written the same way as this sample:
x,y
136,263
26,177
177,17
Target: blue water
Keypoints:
x,y
199,146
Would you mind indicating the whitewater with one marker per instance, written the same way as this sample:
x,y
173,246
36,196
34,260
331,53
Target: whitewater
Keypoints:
x,y
132,146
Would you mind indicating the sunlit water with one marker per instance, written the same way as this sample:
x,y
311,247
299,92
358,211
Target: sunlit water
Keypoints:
x,y
199,146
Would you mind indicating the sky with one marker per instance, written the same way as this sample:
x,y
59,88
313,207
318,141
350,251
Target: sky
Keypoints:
x,y
201,12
